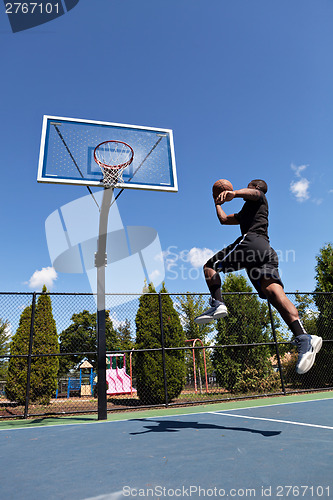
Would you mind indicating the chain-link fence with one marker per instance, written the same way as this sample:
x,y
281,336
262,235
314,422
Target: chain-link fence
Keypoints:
x,y
156,354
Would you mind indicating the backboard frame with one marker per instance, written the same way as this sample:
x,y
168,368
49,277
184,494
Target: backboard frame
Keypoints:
x,y
44,177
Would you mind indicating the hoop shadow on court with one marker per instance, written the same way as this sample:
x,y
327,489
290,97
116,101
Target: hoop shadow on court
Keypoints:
x,y
177,425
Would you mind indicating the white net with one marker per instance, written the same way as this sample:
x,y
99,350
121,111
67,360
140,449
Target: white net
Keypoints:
x,y
113,157
112,175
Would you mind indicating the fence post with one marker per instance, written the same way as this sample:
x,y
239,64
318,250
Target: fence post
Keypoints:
x,y
163,350
276,347
31,338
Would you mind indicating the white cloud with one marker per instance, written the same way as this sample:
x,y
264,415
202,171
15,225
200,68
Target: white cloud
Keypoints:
x,y
298,170
199,256
46,276
300,189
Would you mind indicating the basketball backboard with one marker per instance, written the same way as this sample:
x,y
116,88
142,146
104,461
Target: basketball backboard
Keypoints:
x,y
67,154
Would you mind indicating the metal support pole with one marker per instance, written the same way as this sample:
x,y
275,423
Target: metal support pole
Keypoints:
x,y
276,346
100,263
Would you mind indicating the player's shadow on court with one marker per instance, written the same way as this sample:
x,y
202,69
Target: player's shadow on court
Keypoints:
x,y
177,425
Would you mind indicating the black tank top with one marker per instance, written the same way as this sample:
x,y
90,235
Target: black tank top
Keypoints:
x,y
253,217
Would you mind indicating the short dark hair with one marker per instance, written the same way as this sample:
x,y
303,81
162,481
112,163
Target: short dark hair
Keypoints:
x,y
260,185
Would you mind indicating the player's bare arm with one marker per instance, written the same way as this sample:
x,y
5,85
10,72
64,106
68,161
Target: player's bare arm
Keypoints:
x,y
248,194
224,218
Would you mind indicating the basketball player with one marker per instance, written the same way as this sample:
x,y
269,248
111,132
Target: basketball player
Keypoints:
x,y
252,252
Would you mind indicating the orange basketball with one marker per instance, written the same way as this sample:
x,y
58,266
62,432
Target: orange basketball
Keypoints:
x,y
221,185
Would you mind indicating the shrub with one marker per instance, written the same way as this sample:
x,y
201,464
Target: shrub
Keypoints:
x,y
252,380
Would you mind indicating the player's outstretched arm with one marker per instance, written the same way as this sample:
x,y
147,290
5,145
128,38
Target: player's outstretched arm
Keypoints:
x,y
248,194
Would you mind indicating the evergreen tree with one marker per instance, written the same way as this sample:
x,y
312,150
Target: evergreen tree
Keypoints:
x,y
4,348
149,364
17,367
81,336
241,368
44,369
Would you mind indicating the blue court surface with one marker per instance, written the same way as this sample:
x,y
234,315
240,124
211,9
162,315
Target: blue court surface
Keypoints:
x,y
273,448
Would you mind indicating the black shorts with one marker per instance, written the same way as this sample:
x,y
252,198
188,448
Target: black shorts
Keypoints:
x,y
251,252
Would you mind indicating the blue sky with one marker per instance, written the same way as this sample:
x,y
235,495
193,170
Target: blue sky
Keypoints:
x,y
246,87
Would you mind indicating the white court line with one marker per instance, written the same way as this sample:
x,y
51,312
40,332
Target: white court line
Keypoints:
x,y
100,422
272,420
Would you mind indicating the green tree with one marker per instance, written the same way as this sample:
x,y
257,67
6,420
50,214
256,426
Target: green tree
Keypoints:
x,y
324,291
321,375
81,337
124,336
243,368
149,364
324,269
44,368
17,367
4,348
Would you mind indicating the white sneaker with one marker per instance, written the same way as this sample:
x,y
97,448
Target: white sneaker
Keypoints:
x,y
308,346
218,310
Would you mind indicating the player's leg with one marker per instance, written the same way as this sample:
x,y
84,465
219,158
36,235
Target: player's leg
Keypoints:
x,y
211,269
264,275
275,294
218,308
213,281
226,260
307,345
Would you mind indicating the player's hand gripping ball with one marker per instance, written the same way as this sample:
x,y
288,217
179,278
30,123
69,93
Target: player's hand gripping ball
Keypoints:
x,y
220,186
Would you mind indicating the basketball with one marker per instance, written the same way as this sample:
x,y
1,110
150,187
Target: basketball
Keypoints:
x,y
221,185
